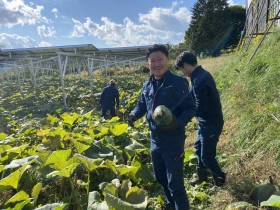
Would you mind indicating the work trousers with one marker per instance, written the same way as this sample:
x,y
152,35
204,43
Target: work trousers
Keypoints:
x,y
168,163
205,147
104,109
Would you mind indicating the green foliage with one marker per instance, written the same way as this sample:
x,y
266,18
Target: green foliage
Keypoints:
x,y
237,18
273,201
213,27
73,149
251,101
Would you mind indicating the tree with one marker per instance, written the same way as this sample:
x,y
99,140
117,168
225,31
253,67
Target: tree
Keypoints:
x,y
237,21
209,28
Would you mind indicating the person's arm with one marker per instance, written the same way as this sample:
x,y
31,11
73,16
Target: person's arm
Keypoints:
x,y
201,92
101,96
186,104
141,108
139,111
118,99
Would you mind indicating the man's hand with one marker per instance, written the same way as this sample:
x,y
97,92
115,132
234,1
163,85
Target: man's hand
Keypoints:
x,y
171,127
131,119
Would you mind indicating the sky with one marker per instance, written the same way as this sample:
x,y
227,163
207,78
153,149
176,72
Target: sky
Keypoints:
x,y
102,23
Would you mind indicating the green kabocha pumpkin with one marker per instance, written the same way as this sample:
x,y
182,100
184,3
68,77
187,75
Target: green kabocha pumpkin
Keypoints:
x,y
263,192
162,115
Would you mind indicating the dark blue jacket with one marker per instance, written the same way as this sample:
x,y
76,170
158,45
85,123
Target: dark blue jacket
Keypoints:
x,y
109,96
172,91
207,99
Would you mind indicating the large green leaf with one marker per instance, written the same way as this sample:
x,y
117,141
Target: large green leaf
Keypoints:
x,y
18,197
189,155
20,206
131,149
110,188
53,206
2,168
87,115
20,162
62,207
65,172
95,202
123,169
12,180
3,136
58,159
116,203
135,195
52,119
118,130
43,152
17,150
4,148
36,191
273,201
125,186
81,147
59,131
90,164
144,173
70,118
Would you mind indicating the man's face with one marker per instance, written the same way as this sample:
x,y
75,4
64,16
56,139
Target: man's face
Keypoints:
x,y
158,64
187,69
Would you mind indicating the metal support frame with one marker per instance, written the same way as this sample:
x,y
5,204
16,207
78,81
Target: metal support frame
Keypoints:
x,y
62,69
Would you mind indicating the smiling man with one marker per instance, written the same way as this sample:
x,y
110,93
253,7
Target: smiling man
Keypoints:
x,y
167,141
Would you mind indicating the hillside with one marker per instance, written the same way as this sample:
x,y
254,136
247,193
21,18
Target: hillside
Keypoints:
x,y
251,104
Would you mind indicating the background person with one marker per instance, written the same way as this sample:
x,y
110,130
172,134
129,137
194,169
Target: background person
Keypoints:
x,y
209,116
167,142
109,98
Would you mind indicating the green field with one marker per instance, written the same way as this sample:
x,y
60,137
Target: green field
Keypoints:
x,y
70,158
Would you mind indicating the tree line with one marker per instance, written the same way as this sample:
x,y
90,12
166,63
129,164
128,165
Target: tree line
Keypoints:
x,y
214,26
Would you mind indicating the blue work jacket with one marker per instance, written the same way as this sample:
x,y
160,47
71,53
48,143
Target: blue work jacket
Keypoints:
x,y
172,92
109,96
207,99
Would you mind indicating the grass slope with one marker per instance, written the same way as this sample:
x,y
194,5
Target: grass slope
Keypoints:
x,y
250,96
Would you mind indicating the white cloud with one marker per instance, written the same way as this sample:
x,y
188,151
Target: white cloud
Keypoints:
x,y
44,44
78,29
15,41
159,25
55,12
16,12
46,31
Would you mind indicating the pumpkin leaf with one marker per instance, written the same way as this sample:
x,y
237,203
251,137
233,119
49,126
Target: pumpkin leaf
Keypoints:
x,y
52,119
66,172
20,196
118,130
2,136
70,118
58,159
36,191
12,180
53,206
273,201
95,202
116,203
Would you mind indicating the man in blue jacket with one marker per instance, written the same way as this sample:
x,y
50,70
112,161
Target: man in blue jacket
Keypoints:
x,y
209,116
167,142
109,99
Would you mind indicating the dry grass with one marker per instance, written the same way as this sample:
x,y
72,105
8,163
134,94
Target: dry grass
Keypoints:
x,y
212,64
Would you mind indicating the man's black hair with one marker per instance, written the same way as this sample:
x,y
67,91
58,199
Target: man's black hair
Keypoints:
x,y
185,57
156,48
